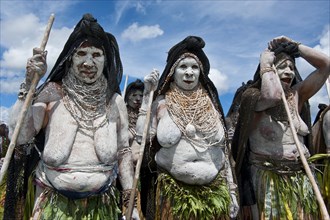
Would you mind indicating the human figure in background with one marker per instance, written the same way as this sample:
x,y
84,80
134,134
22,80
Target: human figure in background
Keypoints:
x,y
133,100
187,162
233,112
83,124
321,150
271,178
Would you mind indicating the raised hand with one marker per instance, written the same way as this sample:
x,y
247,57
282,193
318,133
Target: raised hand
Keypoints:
x,y
151,81
36,65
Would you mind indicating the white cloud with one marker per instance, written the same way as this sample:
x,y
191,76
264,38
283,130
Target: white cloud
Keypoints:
x,y
19,38
324,45
318,98
137,33
4,114
11,85
121,7
124,5
219,80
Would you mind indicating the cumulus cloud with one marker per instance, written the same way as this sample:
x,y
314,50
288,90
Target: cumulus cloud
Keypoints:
x,y
4,114
18,39
137,33
219,79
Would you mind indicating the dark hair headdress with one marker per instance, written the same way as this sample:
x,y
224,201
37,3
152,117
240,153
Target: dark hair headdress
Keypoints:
x,y
136,85
192,45
89,30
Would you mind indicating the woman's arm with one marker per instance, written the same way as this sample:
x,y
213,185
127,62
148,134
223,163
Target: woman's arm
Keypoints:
x,y
35,115
313,83
270,92
150,84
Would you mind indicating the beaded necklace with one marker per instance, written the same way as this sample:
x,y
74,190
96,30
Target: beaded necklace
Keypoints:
x,y
86,102
132,119
194,114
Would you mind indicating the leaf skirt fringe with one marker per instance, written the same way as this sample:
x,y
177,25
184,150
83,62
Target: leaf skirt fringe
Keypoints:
x,y
285,196
177,200
53,205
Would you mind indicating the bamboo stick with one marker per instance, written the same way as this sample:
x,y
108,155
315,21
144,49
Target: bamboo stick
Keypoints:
x,y
324,212
26,105
125,86
139,162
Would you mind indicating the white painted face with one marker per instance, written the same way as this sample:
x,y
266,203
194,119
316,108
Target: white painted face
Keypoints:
x,y
88,63
186,74
135,99
285,70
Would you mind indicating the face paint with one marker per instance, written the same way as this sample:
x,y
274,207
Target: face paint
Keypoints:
x,y
285,70
88,63
135,99
186,74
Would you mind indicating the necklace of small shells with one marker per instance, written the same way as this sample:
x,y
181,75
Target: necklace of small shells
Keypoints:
x,y
193,113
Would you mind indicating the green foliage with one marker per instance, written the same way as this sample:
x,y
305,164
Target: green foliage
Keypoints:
x,y
55,206
284,195
197,201
322,168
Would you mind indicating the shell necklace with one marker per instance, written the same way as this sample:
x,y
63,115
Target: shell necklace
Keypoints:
x,y
194,114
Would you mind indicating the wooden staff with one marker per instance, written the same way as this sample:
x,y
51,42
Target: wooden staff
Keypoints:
x,y
26,105
125,86
327,83
139,162
324,212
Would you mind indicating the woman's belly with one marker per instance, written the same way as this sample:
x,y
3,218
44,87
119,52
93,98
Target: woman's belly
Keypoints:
x,y
188,165
77,178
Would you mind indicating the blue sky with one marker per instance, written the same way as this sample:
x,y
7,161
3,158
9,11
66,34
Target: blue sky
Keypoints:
x,y
235,32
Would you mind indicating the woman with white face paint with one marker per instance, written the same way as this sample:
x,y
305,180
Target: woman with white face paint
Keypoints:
x,y
188,157
267,160
78,122
87,63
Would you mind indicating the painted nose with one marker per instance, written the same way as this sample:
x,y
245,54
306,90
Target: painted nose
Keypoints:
x,y
189,72
88,62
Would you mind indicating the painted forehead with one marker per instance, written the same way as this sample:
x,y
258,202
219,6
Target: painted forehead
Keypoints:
x,y
282,57
170,74
183,56
89,46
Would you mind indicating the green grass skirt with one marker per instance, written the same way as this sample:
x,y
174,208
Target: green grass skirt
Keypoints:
x,y
177,200
322,164
285,196
53,205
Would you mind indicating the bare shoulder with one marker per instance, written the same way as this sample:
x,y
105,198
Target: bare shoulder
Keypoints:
x,y
159,106
117,100
160,100
50,93
118,106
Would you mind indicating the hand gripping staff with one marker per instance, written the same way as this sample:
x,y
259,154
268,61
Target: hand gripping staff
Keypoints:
x,y
324,212
26,105
139,162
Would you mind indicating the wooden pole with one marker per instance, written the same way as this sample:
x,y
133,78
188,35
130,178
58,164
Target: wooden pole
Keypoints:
x,y
125,86
139,162
327,83
324,212
26,105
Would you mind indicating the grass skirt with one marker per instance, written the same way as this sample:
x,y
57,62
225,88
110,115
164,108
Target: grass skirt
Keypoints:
x,y
285,196
53,205
177,200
